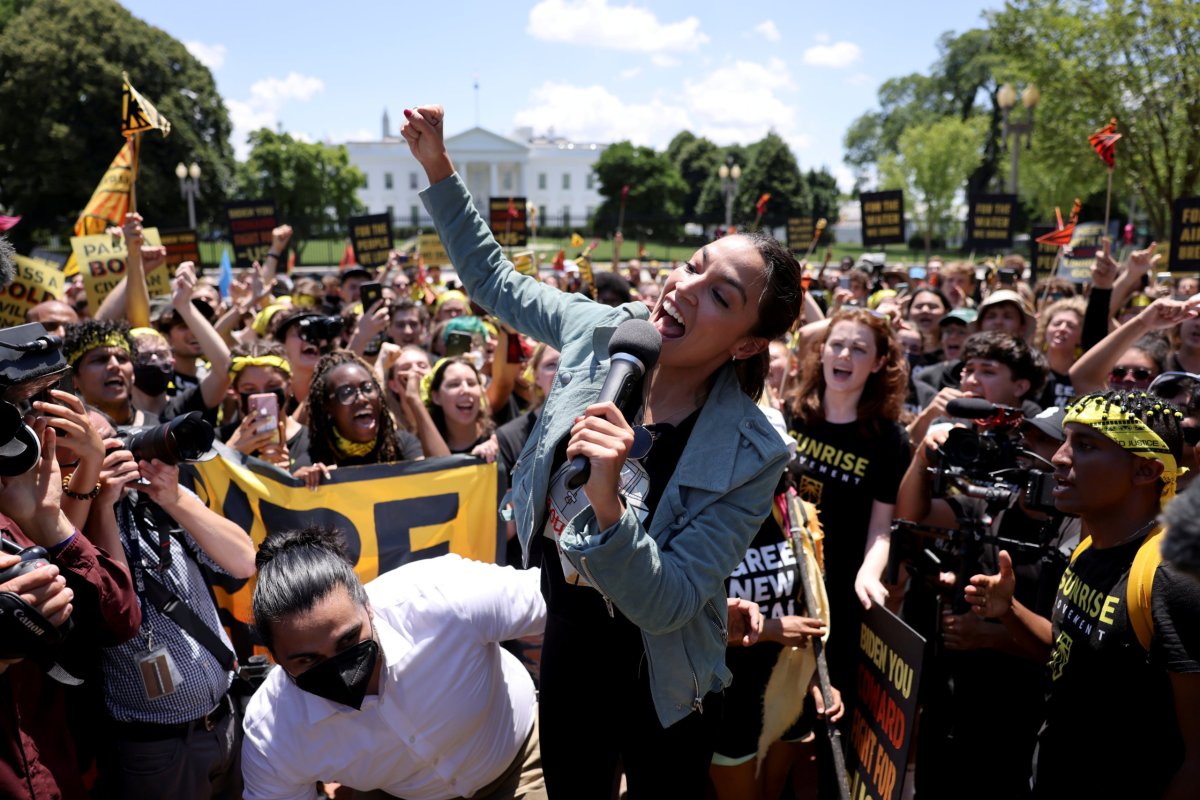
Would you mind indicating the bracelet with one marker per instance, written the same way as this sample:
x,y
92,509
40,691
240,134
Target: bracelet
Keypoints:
x,y
273,255
76,495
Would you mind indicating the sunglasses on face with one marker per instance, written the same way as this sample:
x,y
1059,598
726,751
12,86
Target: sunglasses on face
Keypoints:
x,y
1137,373
348,392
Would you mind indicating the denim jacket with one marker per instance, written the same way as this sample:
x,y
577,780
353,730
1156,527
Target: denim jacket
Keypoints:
x,y
668,580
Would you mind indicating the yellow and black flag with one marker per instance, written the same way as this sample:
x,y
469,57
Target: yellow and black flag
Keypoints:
x,y
138,114
110,201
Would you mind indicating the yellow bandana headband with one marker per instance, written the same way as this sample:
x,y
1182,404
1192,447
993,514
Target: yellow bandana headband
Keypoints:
x,y
239,363
113,339
1122,427
427,379
138,333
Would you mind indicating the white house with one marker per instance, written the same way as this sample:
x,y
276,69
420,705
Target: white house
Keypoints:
x,y
553,174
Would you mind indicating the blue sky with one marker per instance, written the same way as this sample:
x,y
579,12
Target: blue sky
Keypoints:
x,y
593,70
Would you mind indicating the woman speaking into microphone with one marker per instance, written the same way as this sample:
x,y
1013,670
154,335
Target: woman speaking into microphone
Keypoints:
x,y
633,567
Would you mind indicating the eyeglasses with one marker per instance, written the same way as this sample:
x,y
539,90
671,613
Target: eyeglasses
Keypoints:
x,y
1138,373
348,392
1181,388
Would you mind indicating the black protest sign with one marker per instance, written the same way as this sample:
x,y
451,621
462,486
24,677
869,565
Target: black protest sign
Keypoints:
x,y
885,708
371,237
990,221
799,233
182,245
1185,234
506,216
1042,257
882,217
250,226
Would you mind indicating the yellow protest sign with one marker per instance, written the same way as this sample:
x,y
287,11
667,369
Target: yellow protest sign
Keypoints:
x,y
102,262
433,253
36,281
389,514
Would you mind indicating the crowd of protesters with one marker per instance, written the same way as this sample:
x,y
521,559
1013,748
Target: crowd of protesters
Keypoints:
x,y
423,683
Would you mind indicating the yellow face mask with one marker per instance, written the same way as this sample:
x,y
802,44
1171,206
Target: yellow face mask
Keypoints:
x,y
1131,433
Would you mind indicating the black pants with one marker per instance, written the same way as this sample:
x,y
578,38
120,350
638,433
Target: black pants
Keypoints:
x,y
597,716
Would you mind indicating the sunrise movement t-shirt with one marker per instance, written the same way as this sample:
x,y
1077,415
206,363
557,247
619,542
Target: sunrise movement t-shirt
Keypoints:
x,y
1110,726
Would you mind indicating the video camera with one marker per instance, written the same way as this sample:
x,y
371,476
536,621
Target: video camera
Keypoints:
x,y
186,439
31,361
320,330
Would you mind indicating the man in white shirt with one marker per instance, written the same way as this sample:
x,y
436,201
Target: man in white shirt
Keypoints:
x,y
396,689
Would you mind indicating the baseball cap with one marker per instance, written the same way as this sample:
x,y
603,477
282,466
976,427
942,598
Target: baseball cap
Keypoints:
x,y
1050,422
1005,296
961,316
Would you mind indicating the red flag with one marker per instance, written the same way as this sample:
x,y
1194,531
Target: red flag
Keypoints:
x,y
761,205
1062,236
347,257
624,193
1104,142
512,209
560,261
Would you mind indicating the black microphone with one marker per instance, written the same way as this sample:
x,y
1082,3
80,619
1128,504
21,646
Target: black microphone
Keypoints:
x,y
972,408
42,344
634,348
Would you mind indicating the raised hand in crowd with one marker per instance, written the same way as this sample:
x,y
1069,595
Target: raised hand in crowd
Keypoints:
x,y
423,131
487,450
280,237
33,499
311,475
372,322
1104,269
247,438
77,437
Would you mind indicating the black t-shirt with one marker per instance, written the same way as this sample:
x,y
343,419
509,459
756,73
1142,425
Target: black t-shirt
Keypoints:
x,y
1057,391
1110,727
843,471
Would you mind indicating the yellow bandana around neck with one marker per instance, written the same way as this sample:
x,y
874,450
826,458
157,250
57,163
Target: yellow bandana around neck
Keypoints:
x,y
1131,433
114,339
351,449
239,363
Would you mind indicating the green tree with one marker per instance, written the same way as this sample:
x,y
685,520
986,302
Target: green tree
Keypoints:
x,y
656,191
934,163
313,185
710,206
1137,60
826,199
772,170
677,144
60,91
696,162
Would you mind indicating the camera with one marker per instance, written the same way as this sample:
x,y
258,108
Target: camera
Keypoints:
x,y
319,330
24,631
31,361
186,439
31,559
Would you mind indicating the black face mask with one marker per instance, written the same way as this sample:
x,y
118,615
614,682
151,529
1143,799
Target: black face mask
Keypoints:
x,y
343,678
151,378
279,393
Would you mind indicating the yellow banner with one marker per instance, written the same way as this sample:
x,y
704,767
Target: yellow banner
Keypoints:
x,y
139,114
109,203
36,281
389,514
102,261
432,251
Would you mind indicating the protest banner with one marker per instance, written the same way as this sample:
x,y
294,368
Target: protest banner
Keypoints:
x,y
371,238
388,514
1042,257
990,222
1185,234
799,233
1076,265
885,707
433,252
506,217
35,281
882,217
102,262
182,245
250,226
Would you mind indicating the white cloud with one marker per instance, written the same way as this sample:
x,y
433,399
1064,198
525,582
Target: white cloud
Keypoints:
x,y
844,176
267,98
821,38
632,72
210,55
838,54
595,23
768,30
740,102
593,113
664,61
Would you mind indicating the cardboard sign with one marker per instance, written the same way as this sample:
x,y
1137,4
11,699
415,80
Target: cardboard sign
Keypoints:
x,y
433,252
506,216
800,233
885,708
102,259
1185,234
250,226
990,221
371,237
182,245
36,281
882,217
1076,265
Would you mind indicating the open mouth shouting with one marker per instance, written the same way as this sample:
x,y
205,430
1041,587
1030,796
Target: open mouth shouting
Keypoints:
x,y
668,320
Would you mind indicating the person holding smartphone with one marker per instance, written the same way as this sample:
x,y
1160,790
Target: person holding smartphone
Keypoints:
x,y
261,377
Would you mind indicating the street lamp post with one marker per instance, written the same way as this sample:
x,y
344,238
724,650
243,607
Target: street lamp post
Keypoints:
x,y
189,188
729,174
1014,129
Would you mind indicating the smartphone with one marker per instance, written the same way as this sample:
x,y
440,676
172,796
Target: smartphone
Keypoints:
x,y
372,293
265,408
1007,277
844,282
516,349
458,343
